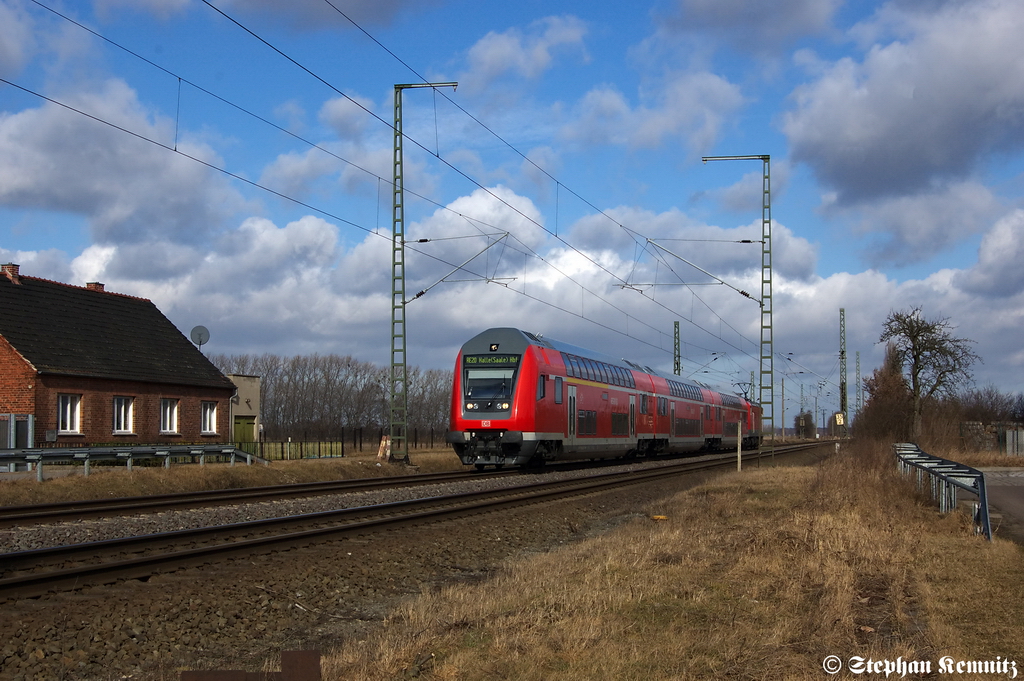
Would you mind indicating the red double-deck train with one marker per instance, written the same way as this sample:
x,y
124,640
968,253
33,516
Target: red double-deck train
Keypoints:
x,y
519,399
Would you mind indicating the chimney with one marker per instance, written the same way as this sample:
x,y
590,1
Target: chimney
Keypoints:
x,y
94,286
10,270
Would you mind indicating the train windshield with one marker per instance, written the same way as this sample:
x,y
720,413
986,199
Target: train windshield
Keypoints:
x,y
490,384
490,377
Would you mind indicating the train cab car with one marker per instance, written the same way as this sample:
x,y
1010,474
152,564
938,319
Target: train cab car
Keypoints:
x,y
519,398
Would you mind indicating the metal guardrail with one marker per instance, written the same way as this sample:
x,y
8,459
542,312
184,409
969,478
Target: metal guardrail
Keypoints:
x,y
942,478
38,457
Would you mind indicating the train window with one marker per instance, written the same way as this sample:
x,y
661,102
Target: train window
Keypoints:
x,y
558,389
643,404
586,422
490,383
541,386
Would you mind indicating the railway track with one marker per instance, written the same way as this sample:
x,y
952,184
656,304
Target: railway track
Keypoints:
x,y
97,508
11,516
31,573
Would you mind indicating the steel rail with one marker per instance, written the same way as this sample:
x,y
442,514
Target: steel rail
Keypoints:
x,y
282,532
96,508
92,508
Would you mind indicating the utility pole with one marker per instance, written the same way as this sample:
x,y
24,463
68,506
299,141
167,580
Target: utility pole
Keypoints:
x,y
677,361
783,405
843,409
860,388
767,392
399,429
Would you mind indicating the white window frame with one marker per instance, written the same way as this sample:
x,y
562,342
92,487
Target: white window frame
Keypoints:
x,y
208,418
169,416
69,414
124,415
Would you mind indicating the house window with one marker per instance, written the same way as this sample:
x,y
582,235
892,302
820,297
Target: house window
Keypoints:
x,y
123,415
168,416
69,413
209,418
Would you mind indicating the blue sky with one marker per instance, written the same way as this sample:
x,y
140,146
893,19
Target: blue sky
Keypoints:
x,y
895,132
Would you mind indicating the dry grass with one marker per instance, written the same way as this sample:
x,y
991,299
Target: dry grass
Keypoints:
x,y
105,482
753,576
978,459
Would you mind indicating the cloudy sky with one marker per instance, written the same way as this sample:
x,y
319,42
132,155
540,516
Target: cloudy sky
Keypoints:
x,y
232,161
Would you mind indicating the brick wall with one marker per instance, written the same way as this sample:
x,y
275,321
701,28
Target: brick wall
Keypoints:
x,y
97,411
17,382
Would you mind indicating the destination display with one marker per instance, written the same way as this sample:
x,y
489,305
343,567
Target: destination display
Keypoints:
x,y
491,360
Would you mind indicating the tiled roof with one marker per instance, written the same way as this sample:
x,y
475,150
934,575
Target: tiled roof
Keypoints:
x,y
74,331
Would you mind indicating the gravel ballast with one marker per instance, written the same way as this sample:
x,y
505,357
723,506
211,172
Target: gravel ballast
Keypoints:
x,y
241,613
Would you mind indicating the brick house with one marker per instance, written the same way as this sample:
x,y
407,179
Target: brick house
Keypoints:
x,y
95,367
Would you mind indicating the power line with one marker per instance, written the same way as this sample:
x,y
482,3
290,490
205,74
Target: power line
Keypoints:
x,y
526,157
328,213
171,149
445,161
414,141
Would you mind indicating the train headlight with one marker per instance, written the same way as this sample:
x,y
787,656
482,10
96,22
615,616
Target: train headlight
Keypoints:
x,y
471,405
503,405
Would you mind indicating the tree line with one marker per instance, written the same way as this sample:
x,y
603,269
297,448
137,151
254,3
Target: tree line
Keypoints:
x,y
325,397
924,389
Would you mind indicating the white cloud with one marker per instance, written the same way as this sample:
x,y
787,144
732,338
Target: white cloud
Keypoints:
x,y
998,272
49,264
347,116
466,226
295,173
317,15
16,41
690,106
755,26
297,290
129,189
525,54
160,8
921,110
914,228
747,194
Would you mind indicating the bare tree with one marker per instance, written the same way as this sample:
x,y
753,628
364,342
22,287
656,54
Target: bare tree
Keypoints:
x,y
936,363
987,405
319,396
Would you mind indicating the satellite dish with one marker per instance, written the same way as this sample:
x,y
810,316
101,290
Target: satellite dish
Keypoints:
x,y
200,335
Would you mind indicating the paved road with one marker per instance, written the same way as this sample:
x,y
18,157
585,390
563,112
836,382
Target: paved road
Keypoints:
x,y
1006,496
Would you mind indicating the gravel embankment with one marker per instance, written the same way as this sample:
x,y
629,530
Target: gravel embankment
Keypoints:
x,y
241,613
97,529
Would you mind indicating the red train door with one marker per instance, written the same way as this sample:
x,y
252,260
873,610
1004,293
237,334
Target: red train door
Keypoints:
x,y
570,438
632,415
